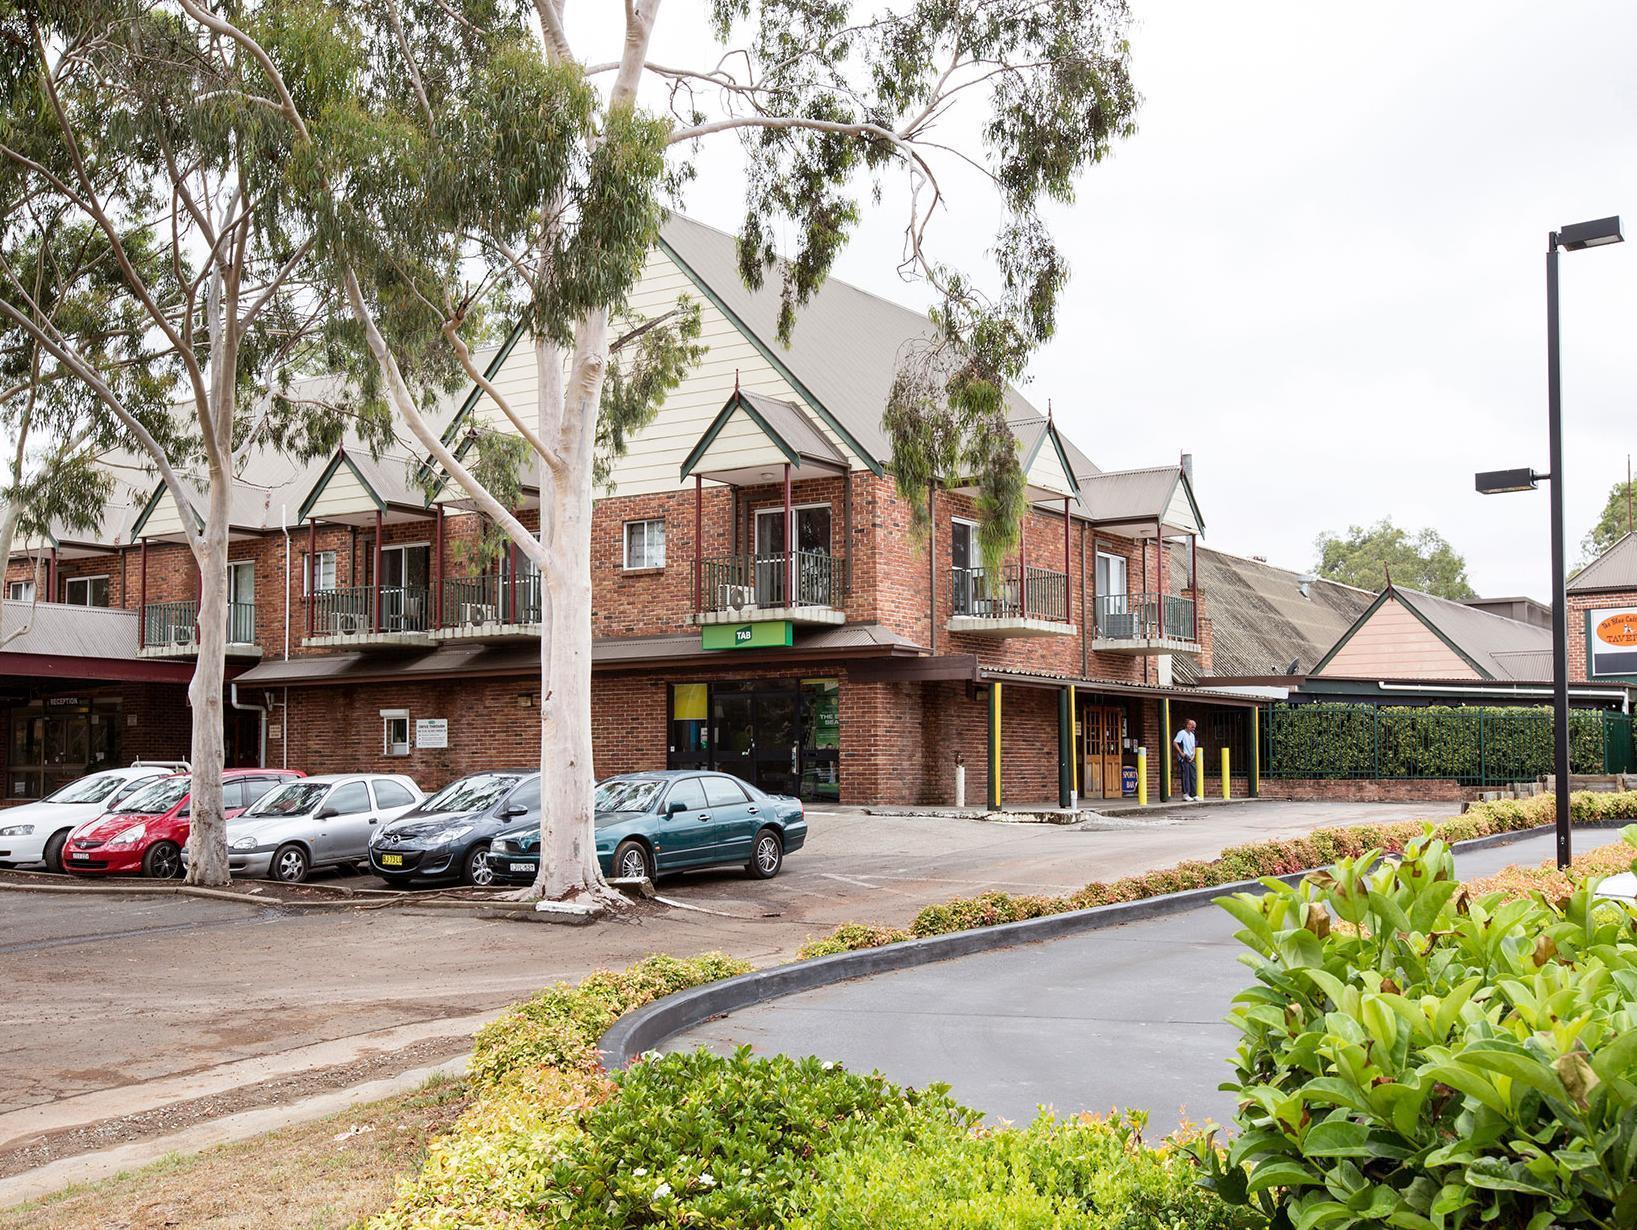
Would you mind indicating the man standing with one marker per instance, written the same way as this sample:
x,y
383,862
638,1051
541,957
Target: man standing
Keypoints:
x,y
1187,769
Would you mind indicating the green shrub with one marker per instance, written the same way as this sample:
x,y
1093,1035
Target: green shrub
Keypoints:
x,y
703,1140
1082,1174
1438,1062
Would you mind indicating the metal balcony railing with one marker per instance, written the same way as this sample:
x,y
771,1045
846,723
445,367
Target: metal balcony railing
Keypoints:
x,y
1145,617
176,623
978,594
491,599
350,610
734,582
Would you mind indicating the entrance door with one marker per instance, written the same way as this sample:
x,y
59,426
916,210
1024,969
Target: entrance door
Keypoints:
x,y
734,716
1104,755
778,743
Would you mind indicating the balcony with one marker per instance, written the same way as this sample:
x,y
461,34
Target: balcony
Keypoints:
x,y
363,617
738,589
491,609
1145,624
171,630
999,605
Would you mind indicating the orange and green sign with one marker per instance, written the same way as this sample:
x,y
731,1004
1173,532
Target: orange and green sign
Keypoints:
x,y
1611,643
764,634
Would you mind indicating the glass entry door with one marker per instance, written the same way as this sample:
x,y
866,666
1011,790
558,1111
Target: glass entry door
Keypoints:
x,y
783,736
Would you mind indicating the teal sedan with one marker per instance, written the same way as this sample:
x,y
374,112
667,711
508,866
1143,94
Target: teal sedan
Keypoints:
x,y
652,823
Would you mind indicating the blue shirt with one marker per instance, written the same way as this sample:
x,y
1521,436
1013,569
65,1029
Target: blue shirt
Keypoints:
x,y
1185,743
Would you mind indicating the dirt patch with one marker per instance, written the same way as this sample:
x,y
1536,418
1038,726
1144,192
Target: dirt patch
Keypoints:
x,y
319,1176
163,1120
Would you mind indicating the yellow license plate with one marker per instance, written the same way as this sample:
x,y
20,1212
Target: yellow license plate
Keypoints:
x,y
392,860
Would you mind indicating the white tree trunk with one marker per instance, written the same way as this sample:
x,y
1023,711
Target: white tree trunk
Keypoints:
x,y
207,836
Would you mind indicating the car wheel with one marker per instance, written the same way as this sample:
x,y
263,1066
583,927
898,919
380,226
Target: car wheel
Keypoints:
x,y
289,865
631,861
477,872
766,855
163,861
54,851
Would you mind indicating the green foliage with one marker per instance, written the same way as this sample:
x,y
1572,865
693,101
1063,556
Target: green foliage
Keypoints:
x,y
1248,862
1413,1057
1613,523
1364,555
702,1140
1475,744
1081,1174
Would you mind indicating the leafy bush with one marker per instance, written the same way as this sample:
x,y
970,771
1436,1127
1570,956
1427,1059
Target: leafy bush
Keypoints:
x,y
703,1140
1249,862
1081,1174
1441,1061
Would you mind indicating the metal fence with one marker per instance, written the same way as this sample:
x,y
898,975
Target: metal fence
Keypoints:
x,y
350,610
492,599
1477,746
1131,617
978,594
176,623
734,582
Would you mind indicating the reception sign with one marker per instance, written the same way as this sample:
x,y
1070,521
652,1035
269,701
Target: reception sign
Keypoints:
x,y
1611,642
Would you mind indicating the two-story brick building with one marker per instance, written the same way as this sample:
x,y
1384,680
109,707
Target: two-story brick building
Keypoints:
x,y
761,602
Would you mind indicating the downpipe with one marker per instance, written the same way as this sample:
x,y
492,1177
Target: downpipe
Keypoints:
x,y
261,710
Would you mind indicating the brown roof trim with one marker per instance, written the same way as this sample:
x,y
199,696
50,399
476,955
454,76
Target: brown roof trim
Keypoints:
x,y
1110,687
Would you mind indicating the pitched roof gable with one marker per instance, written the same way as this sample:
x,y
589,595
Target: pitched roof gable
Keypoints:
x,y
1616,568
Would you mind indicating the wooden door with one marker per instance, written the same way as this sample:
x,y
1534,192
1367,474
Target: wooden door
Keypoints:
x,y
1113,754
1091,760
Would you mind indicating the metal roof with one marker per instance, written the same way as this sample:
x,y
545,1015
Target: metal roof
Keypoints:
x,y
1616,568
1499,647
61,630
1120,497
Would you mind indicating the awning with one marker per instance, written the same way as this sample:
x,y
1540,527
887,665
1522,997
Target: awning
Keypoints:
x,y
753,437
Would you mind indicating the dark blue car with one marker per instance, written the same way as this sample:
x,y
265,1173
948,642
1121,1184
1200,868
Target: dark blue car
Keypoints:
x,y
446,839
652,823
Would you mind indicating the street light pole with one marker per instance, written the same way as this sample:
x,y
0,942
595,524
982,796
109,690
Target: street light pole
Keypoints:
x,y
1560,593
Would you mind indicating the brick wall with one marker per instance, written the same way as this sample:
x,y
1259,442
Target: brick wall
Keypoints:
x,y
1579,604
1364,791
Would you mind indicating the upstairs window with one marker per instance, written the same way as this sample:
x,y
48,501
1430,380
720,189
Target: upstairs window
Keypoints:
x,y
322,569
645,544
86,591
20,591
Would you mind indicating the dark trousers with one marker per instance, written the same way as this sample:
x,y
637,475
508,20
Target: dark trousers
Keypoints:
x,y
1186,770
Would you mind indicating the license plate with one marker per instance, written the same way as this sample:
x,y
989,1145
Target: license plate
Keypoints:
x,y
79,854
392,860
519,866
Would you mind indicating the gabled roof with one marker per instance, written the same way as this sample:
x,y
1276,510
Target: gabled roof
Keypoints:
x,y
1615,569
1494,646
1135,498
784,429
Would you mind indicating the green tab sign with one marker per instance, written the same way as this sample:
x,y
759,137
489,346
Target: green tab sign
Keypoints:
x,y
769,634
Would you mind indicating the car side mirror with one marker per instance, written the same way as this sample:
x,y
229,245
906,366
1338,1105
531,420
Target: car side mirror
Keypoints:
x,y
326,813
514,810
674,807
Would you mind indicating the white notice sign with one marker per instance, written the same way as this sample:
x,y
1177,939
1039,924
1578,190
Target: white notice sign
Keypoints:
x,y
431,732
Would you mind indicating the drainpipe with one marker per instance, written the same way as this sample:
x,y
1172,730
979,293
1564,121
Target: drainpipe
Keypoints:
x,y
1088,616
932,566
284,527
261,744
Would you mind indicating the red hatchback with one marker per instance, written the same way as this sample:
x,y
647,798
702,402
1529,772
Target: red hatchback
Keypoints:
x,y
147,831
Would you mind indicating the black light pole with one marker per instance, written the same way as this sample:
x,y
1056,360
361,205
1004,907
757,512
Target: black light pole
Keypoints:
x,y
1569,239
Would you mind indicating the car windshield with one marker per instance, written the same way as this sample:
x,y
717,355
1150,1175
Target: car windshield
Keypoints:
x,y
93,789
476,793
296,799
161,796
629,794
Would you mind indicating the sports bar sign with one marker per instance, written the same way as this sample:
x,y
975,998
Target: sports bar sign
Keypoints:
x,y
1611,642
764,634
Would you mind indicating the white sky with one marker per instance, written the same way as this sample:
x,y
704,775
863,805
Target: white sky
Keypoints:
x,y
1319,264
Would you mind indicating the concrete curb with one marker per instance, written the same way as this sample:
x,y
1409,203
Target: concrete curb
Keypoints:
x,y
377,898
647,1027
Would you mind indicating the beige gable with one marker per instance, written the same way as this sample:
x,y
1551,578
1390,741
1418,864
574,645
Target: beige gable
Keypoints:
x,y
1046,471
343,495
1395,644
164,519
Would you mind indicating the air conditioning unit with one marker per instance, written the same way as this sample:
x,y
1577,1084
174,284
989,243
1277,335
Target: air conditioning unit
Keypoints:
x,y
473,613
182,634
735,596
349,623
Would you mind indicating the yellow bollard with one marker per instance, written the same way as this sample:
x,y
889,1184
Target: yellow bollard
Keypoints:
x,y
1225,773
1142,777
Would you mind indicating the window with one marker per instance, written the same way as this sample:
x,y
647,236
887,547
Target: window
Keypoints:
x,y
241,603
391,794
20,591
86,591
321,570
963,566
1111,576
688,793
527,796
395,732
233,793
350,799
721,792
256,787
645,544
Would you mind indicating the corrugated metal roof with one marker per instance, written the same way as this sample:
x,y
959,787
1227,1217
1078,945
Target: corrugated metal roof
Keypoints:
x,y
795,427
1129,495
56,629
1616,568
1260,620
1502,648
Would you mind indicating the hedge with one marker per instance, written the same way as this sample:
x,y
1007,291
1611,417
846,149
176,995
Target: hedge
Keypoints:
x,y
1248,862
1475,744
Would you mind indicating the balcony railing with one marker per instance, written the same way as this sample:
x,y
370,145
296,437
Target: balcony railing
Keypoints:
x,y
350,610
736,582
980,595
1145,617
176,624
491,599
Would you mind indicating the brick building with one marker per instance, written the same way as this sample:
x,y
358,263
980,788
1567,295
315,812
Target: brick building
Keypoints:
x,y
761,602
1603,616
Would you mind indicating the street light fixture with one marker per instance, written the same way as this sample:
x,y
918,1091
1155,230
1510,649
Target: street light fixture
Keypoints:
x,y
1595,234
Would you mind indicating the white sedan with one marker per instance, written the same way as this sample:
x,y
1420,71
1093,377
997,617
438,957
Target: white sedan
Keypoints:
x,y
35,832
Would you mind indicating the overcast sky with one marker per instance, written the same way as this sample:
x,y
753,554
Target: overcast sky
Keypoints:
x,y
1319,266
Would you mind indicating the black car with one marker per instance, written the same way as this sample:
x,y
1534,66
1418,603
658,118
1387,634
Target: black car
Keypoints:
x,y
447,837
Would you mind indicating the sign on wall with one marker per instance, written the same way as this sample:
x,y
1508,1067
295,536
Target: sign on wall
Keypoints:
x,y
766,634
431,733
1611,642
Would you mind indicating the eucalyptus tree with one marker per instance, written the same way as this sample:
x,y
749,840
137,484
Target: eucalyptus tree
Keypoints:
x,y
492,162
146,130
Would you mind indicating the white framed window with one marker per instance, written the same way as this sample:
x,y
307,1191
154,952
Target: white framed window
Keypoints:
x,y
20,591
86,591
812,534
645,544
1111,575
395,732
320,573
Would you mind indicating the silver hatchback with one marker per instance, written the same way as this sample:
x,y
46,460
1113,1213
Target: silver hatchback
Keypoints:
x,y
321,821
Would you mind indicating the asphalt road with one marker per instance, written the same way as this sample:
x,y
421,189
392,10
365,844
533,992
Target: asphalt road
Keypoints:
x,y
1127,1017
